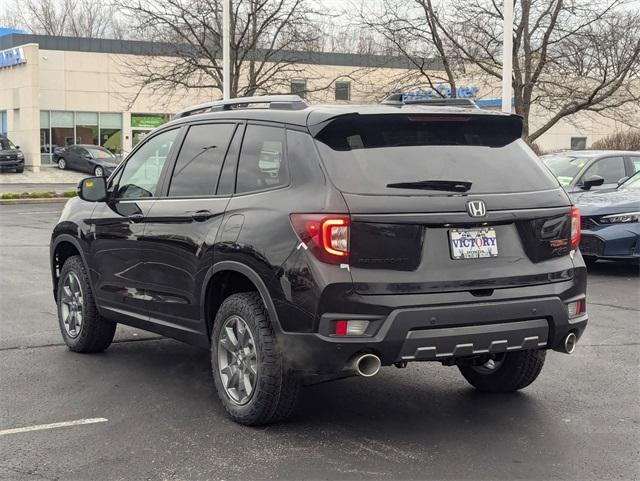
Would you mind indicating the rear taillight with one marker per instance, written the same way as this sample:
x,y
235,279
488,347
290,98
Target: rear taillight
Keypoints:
x,y
326,235
576,308
575,228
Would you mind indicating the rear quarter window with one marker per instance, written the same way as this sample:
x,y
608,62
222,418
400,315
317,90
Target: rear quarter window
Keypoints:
x,y
262,164
365,153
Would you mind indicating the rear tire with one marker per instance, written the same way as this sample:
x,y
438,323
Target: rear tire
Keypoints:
x,y
274,389
516,370
82,327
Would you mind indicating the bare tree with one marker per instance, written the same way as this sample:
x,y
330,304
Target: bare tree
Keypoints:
x,y
91,18
75,18
268,41
569,56
46,17
410,28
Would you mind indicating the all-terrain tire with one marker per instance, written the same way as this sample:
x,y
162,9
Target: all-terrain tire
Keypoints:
x,y
276,388
95,333
517,370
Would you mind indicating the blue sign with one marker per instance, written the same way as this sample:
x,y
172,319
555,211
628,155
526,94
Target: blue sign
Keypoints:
x,y
441,90
12,57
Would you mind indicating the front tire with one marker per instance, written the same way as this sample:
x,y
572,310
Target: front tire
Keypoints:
x,y
98,172
62,163
510,371
82,327
250,373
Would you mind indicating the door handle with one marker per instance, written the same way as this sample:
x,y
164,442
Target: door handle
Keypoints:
x,y
136,217
201,215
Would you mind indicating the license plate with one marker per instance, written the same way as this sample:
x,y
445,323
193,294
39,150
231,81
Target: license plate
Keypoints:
x,y
473,243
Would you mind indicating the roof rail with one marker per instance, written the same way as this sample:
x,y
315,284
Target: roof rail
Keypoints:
x,y
398,99
276,102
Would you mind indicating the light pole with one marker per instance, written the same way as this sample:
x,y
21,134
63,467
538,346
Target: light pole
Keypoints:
x,y
507,55
226,56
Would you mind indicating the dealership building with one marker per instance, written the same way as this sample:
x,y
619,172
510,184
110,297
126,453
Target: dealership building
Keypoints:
x,y
57,91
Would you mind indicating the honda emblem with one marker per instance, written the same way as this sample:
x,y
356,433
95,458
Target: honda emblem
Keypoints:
x,y
476,208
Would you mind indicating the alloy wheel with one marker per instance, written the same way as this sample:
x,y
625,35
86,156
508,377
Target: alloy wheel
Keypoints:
x,y
237,360
98,172
62,163
71,305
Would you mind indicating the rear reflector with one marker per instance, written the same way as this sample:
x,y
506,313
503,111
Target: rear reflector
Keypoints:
x,y
341,328
576,308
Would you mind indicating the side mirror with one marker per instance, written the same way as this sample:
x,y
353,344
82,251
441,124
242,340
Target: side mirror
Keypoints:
x,y
593,181
623,180
93,189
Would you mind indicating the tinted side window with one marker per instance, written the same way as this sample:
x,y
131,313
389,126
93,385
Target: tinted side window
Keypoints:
x,y
635,161
611,168
142,172
227,181
262,164
200,160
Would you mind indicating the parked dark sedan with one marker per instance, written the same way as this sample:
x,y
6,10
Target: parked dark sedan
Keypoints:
x,y
580,170
610,222
87,158
11,157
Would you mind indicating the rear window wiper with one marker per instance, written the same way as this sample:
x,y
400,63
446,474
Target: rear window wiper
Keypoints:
x,y
447,185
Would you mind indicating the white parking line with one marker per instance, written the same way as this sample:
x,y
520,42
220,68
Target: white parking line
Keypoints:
x,y
64,424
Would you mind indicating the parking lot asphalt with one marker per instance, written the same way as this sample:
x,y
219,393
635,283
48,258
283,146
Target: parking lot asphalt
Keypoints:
x,y
157,416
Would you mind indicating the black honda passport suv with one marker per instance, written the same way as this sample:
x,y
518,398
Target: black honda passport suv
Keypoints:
x,y
301,244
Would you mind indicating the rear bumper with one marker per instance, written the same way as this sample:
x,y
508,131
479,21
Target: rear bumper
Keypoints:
x,y
441,332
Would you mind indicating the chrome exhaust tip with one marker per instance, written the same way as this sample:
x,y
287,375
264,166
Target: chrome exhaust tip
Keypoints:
x,y
367,365
570,343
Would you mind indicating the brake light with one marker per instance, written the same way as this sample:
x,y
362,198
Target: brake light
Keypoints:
x,y
575,228
326,235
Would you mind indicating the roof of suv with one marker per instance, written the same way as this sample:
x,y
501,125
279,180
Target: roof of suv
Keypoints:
x,y
316,114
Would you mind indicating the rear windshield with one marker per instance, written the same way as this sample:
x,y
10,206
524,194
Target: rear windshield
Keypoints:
x,y
364,154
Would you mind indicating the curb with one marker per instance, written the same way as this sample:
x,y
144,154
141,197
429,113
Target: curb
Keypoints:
x,y
50,200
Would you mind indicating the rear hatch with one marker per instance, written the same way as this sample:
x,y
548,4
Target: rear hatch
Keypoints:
x,y
445,202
